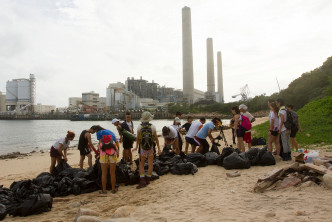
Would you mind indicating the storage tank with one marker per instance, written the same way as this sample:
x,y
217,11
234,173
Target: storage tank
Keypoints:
x,y
11,92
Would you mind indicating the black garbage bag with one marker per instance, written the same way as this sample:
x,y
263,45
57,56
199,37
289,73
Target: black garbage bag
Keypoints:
x,y
82,185
253,156
82,174
92,175
44,180
70,173
133,178
196,158
60,167
265,158
24,188
7,197
122,172
34,204
225,152
174,160
64,187
184,168
236,161
164,169
166,154
211,158
3,211
215,148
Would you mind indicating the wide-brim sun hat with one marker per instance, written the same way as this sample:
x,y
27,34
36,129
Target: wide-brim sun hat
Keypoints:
x,y
146,117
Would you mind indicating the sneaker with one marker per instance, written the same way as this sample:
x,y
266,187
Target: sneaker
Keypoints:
x,y
141,184
147,180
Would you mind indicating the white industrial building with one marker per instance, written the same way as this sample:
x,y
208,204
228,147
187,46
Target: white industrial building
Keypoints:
x,y
90,99
43,109
2,102
118,98
21,94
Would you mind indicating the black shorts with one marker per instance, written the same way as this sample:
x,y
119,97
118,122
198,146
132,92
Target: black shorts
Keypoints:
x,y
204,144
293,132
274,133
191,141
240,131
85,151
127,144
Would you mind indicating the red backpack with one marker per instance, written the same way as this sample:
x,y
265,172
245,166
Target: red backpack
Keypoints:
x,y
107,145
245,122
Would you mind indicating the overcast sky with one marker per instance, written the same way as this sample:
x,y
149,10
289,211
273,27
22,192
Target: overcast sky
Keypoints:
x,y
75,46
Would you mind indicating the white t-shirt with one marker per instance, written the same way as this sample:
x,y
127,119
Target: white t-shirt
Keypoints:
x,y
284,113
130,125
176,127
63,142
172,133
193,129
153,127
276,122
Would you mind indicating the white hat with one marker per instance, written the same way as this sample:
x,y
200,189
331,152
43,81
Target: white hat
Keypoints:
x,y
146,117
115,120
242,106
177,120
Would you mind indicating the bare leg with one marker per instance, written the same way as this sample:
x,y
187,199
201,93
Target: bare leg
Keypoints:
x,y
141,165
193,148
130,156
240,144
81,161
200,148
269,143
104,175
53,161
113,177
186,148
89,159
150,163
277,143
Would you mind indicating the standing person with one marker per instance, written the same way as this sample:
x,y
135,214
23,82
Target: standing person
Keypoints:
x,y
191,133
294,129
108,157
177,126
187,125
127,142
146,135
179,115
231,124
59,149
273,131
206,131
238,129
85,145
171,138
284,132
247,135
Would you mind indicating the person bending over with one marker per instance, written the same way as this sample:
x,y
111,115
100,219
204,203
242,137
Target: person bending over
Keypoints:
x,y
85,145
206,131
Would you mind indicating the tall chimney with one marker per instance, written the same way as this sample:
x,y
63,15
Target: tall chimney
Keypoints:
x,y
210,67
187,56
220,80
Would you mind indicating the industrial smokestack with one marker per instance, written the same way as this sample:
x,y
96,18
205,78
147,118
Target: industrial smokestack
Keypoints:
x,y
210,67
220,80
187,56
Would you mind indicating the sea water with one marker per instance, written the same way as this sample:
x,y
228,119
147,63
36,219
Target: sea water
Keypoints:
x,y
27,135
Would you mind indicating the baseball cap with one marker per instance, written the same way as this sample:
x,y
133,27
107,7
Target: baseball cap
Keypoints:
x,y
115,120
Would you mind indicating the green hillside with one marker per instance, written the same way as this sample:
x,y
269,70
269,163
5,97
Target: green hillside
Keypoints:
x,y
316,122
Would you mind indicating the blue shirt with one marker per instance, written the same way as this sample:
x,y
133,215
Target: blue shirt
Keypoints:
x,y
203,133
102,133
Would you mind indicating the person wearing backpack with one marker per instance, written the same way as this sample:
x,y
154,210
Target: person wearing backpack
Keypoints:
x,y
284,132
295,128
146,136
109,154
247,135
126,142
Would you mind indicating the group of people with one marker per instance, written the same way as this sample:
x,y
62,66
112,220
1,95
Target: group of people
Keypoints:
x,y
196,134
278,133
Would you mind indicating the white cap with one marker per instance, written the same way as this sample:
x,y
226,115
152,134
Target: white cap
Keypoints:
x,y
242,106
177,120
115,120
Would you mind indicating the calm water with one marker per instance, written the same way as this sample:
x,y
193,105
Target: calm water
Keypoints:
x,y
27,135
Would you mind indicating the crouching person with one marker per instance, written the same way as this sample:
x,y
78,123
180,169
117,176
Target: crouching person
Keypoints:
x,y
109,154
146,135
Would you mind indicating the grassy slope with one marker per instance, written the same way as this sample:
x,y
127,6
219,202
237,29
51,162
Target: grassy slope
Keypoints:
x,y
315,119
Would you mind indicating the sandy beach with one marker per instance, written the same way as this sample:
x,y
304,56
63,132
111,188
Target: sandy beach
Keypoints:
x,y
209,195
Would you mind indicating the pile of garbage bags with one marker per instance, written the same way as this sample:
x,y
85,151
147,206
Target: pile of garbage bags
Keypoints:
x,y
34,196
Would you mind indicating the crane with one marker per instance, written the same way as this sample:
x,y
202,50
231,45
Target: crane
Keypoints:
x,y
244,93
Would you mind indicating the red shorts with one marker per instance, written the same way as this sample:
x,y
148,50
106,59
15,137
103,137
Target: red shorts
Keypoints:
x,y
247,137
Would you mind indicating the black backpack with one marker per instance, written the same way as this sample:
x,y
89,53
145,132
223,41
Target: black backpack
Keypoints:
x,y
291,121
146,136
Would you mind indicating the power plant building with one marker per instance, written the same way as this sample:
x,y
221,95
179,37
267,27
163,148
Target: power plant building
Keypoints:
x,y
2,102
220,94
20,94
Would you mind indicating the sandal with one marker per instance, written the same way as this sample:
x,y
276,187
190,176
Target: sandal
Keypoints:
x,y
102,192
114,191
